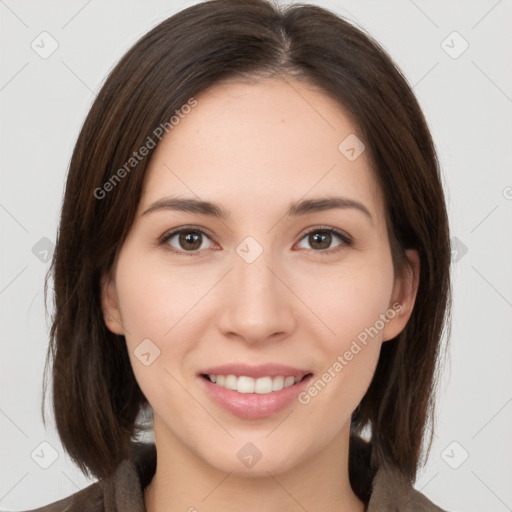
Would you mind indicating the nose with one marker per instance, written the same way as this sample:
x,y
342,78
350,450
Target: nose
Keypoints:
x,y
257,304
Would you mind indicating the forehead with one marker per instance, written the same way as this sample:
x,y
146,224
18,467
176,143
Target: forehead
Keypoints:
x,y
271,141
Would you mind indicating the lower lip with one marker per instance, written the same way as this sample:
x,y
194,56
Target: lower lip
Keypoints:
x,y
254,405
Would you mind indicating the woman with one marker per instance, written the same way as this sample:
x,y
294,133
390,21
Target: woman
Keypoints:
x,y
253,248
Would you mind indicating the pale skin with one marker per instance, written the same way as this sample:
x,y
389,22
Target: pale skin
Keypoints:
x,y
255,148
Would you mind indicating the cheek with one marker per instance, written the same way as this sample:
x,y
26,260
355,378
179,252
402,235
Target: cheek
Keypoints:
x,y
159,308
350,302
351,306
154,304
152,298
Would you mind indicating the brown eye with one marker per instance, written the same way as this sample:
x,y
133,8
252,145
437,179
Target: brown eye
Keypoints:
x,y
186,240
320,239
190,240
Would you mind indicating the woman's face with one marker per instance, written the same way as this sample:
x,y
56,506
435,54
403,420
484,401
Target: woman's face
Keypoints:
x,y
261,288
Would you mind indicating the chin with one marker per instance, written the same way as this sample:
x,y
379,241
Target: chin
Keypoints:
x,y
245,458
261,469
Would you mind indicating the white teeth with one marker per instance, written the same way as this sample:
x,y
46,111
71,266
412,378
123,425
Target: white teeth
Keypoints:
x,y
230,382
262,385
244,384
289,381
277,383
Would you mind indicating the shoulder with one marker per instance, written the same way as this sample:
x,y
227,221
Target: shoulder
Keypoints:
x,y
121,491
386,488
89,499
392,490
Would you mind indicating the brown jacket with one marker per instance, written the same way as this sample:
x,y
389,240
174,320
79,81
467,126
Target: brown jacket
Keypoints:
x,y
385,490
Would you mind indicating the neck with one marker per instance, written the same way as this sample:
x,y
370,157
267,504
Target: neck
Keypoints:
x,y
185,482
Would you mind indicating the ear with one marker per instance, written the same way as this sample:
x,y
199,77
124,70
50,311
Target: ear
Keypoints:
x,y
403,298
110,305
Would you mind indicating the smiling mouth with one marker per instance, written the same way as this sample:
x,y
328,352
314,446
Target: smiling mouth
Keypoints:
x,y
262,385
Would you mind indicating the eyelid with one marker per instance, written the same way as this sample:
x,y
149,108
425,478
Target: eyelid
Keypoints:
x,y
338,232
173,232
345,238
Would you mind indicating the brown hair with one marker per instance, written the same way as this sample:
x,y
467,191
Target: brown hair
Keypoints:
x,y
96,398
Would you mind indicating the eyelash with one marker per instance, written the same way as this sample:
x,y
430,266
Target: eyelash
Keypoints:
x,y
347,241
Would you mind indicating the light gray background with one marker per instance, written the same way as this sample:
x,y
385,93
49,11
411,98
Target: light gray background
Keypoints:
x,y
468,103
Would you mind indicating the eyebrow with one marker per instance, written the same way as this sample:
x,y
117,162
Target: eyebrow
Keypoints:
x,y
215,210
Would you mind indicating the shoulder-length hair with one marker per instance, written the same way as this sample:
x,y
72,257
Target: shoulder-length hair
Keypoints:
x,y
96,399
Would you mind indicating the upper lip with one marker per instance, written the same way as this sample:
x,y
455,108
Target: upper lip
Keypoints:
x,y
264,370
